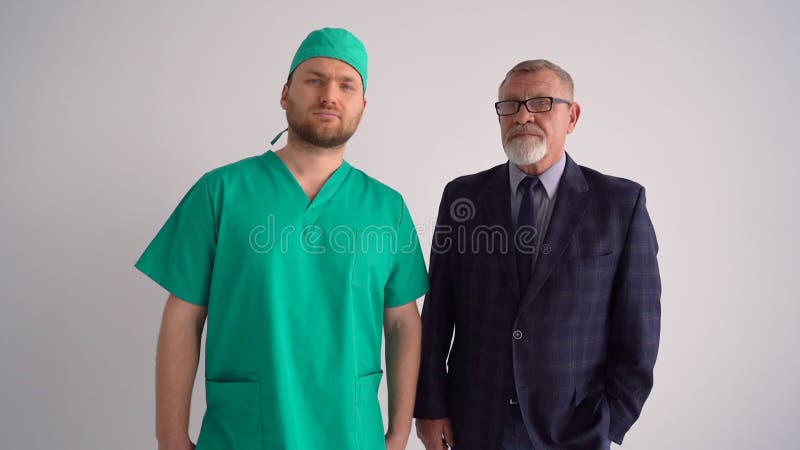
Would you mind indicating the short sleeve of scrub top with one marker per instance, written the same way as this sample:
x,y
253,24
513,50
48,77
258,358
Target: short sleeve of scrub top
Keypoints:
x,y
408,279
181,256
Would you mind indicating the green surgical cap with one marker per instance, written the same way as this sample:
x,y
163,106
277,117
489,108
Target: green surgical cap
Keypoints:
x,y
336,43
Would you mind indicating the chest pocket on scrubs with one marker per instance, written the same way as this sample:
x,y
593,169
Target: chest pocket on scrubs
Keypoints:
x,y
375,247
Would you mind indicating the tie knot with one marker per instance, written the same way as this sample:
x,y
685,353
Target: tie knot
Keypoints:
x,y
529,182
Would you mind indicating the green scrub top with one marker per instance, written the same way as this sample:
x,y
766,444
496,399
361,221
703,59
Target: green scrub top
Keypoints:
x,y
295,292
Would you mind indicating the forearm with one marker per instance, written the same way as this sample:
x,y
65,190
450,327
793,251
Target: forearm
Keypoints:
x,y
403,341
177,358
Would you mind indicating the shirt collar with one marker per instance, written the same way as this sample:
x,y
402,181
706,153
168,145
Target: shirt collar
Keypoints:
x,y
549,178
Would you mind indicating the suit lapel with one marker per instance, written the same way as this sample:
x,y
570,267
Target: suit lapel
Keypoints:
x,y
496,204
571,202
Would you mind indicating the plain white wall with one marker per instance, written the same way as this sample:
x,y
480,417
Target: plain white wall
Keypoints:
x,y
110,110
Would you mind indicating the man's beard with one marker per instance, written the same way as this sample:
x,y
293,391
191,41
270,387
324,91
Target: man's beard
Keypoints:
x,y
523,153
320,136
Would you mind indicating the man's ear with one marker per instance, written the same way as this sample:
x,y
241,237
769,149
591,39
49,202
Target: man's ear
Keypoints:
x,y
284,92
574,115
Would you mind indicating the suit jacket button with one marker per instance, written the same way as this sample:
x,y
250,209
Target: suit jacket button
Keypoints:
x,y
517,334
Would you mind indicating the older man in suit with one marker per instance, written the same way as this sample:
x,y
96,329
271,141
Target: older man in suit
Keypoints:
x,y
546,272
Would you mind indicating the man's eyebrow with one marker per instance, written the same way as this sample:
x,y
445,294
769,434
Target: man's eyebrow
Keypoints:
x,y
347,78
317,74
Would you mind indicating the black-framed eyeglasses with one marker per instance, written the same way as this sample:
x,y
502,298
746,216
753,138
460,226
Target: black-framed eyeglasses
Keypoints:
x,y
534,105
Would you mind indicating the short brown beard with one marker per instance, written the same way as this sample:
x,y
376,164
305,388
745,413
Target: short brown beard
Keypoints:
x,y
305,131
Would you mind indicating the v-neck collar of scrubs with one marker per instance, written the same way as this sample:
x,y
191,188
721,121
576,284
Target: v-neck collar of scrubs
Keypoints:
x,y
315,207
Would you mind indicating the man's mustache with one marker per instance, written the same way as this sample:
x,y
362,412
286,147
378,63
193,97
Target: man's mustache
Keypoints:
x,y
525,128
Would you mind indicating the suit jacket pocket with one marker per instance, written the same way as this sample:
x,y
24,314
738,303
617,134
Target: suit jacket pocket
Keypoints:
x,y
233,416
369,422
597,253
587,389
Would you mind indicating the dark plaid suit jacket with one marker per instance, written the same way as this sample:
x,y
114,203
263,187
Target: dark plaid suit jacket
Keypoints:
x,y
576,346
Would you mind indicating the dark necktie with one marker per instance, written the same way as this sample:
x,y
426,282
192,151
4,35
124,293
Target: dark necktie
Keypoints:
x,y
526,217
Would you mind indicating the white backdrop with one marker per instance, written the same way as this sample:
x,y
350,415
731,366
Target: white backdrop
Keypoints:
x,y
110,110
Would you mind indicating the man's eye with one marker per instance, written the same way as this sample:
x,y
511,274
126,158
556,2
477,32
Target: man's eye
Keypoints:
x,y
314,81
347,87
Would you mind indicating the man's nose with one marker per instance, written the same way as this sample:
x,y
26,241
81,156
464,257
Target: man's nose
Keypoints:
x,y
328,94
524,116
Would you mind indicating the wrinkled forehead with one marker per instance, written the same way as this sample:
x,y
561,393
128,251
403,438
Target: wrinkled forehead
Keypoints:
x,y
542,83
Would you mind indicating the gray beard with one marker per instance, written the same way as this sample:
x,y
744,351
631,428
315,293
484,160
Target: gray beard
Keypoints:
x,y
523,154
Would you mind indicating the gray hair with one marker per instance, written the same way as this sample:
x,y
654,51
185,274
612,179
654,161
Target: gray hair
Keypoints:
x,y
535,65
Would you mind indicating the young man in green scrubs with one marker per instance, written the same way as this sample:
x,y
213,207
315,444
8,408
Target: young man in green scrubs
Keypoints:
x,y
298,261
